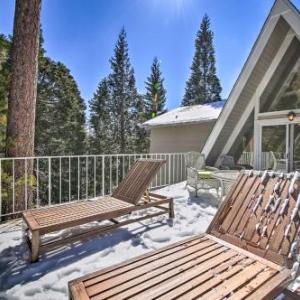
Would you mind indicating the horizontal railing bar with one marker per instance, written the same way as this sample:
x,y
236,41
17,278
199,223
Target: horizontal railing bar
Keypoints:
x,y
88,155
57,181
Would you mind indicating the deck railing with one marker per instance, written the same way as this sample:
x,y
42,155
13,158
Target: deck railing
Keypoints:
x,y
267,160
48,180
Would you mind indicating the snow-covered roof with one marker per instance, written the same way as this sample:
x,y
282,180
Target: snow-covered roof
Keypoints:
x,y
188,114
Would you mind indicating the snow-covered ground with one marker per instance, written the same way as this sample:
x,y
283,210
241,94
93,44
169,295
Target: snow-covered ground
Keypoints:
x,y
48,278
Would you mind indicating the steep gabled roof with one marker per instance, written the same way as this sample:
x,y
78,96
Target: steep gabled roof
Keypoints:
x,y
283,18
188,114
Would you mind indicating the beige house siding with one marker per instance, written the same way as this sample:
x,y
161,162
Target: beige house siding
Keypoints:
x,y
179,138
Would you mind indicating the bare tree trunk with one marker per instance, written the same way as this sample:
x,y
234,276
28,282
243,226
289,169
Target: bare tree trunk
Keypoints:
x,y
23,90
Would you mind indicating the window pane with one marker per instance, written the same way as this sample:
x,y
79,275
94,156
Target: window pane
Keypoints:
x,y
274,148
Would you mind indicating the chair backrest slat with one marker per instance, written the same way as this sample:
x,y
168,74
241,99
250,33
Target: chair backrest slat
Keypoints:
x,y
137,180
262,215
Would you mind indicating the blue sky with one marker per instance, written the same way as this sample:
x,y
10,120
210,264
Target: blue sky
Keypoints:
x,y
82,34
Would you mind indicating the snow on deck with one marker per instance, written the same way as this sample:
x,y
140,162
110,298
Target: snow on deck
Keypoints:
x,y
188,114
48,278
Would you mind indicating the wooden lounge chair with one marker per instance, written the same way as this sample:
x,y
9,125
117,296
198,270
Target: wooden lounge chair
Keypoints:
x,y
131,195
248,252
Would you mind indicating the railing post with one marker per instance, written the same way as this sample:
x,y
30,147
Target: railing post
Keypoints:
x,y
110,174
69,178
13,184
25,185
49,181
95,163
117,170
0,189
78,178
59,179
103,175
86,177
37,182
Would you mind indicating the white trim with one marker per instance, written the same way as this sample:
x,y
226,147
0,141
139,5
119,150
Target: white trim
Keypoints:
x,y
261,87
277,121
241,81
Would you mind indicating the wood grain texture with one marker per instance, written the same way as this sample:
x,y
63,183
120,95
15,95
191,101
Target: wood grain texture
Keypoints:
x,y
202,267
46,220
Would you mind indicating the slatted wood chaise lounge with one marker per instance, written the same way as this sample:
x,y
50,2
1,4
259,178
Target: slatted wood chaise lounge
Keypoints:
x,y
131,195
249,252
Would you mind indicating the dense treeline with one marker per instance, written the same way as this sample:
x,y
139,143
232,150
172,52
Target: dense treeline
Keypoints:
x,y
60,110
117,110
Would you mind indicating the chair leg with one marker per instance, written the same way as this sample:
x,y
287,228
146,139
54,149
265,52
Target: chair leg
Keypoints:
x,y
171,209
35,245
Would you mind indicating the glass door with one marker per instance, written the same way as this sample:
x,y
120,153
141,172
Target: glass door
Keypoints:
x,y
274,148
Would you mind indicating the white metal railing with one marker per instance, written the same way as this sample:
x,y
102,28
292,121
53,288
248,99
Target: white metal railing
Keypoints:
x,y
29,182
267,160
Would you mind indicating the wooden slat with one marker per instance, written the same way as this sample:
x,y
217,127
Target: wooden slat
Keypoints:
x,y
184,281
247,253
145,281
94,231
250,228
283,195
272,287
138,179
163,264
240,205
70,222
232,212
214,281
78,292
253,285
224,207
240,222
278,238
234,282
139,261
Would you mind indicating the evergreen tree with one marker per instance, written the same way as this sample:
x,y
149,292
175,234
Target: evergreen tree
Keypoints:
x,y
155,98
203,85
99,135
60,119
124,98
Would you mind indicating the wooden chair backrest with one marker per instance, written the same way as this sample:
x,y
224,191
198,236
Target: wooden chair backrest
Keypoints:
x,y
137,180
261,214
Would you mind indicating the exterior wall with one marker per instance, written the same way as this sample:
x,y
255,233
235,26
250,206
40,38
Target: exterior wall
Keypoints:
x,y
179,138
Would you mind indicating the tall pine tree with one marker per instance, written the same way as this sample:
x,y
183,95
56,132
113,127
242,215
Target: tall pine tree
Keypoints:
x,y
100,132
155,97
203,85
60,119
124,98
